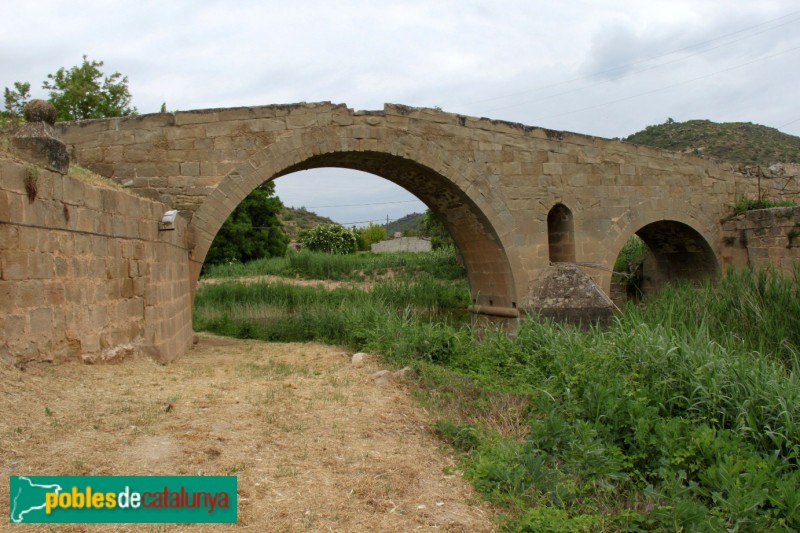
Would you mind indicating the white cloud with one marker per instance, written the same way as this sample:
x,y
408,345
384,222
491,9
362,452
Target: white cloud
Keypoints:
x,y
539,63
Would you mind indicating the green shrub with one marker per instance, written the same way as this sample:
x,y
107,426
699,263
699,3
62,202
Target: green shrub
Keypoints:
x,y
330,238
743,204
631,254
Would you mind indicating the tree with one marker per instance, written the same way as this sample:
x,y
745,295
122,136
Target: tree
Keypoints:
x,y
15,100
330,238
368,235
252,231
433,227
85,92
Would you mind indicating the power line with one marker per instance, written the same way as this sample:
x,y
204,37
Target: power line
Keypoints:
x,y
665,87
368,221
651,58
789,123
364,205
639,71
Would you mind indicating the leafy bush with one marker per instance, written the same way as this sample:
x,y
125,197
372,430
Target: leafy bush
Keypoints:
x,y
369,235
631,254
330,238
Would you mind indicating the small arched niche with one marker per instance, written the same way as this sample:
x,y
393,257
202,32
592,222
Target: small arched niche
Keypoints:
x,y
561,234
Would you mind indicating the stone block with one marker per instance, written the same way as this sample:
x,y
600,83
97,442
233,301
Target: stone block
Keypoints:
x,y
38,142
14,265
15,327
232,129
41,321
190,168
29,294
8,290
183,118
301,119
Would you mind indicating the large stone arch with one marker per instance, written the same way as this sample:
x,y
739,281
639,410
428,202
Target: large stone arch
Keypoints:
x,y
448,185
680,248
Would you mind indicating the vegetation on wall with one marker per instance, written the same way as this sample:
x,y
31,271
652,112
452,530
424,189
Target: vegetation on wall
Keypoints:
x,y
744,205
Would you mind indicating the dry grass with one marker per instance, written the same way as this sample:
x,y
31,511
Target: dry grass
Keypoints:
x,y
318,283
84,174
316,445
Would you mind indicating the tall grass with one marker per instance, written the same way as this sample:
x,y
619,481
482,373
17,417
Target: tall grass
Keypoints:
x,y
683,414
424,292
756,311
441,264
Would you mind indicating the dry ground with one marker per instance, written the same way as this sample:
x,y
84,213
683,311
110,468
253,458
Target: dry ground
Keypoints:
x,y
315,443
318,283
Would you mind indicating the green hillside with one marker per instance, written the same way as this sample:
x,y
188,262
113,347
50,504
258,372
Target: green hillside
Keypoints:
x,y
409,222
738,142
297,219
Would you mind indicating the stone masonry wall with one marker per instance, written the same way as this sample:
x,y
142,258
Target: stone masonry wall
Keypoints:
x,y
85,273
763,238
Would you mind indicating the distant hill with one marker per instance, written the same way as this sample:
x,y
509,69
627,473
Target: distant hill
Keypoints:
x,y
409,222
296,220
738,142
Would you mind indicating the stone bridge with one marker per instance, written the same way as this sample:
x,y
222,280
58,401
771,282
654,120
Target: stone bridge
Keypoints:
x,y
516,199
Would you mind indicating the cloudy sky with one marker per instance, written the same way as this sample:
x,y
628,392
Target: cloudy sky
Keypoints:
x,y
599,67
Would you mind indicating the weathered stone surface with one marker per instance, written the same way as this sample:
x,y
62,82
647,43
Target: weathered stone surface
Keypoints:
x,y
40,111
37,142
384,377
563,291
359,359
78,285
763,238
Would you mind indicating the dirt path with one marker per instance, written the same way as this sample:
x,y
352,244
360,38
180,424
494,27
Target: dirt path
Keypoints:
x,y
318,283
315,443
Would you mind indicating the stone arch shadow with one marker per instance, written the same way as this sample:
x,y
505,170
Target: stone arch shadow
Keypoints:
x,y
678,251
427,174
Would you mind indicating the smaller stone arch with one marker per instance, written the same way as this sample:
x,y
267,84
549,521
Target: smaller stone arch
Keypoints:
x,y
561,234
677,252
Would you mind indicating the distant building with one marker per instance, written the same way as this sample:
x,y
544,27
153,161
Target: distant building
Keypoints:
x,y
402,244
